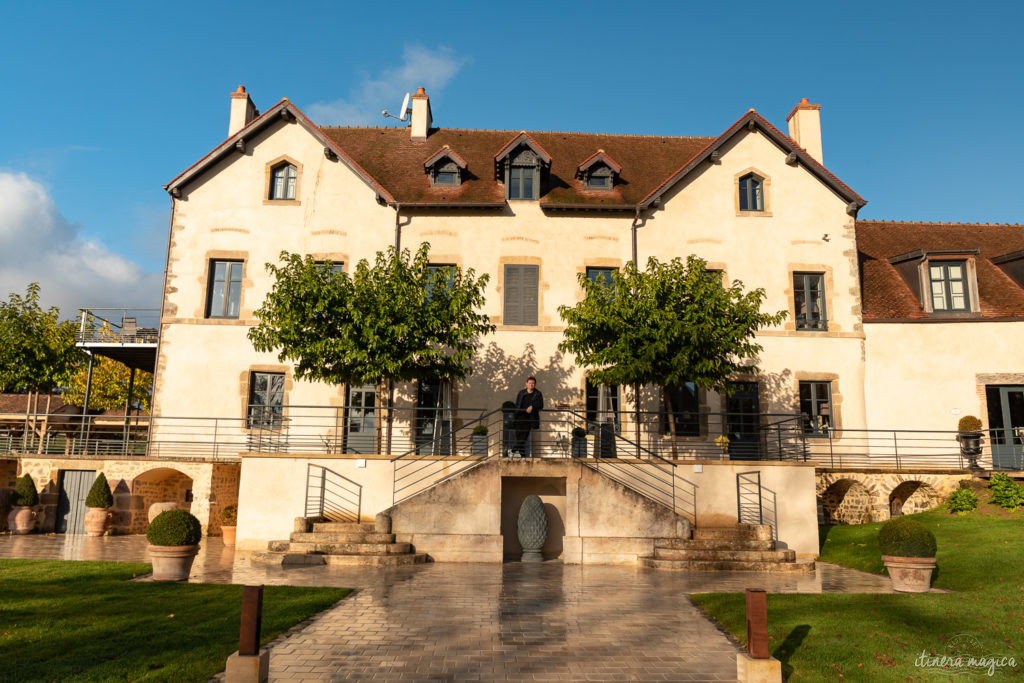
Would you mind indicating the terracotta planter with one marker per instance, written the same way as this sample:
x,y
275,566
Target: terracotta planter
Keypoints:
x,y
910,574
22,520
96,521
228,533
172,562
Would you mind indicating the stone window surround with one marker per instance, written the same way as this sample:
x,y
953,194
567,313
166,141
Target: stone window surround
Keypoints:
x,y
597,262
332,256
789,324
243,383
971,276
268,177
244,315
766,194
544,323
835,406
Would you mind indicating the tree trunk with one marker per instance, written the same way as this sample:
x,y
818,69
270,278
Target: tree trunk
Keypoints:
x,y
669,408
379,409
391,411
25,430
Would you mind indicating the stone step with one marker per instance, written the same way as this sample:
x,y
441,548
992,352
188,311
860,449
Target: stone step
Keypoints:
x,y
799,567
341,548
749,532
335,537
726,555
345,527
375,560
285,559
716,544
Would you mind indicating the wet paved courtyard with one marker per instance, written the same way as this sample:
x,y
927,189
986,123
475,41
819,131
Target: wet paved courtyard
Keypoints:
x,y
485,621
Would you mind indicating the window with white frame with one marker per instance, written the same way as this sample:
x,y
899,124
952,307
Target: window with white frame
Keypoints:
x,y
948,283
283,181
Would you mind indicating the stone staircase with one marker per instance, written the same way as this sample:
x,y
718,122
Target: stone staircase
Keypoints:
x,y
740,548
339,543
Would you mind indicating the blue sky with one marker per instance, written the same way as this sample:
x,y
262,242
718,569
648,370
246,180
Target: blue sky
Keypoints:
x,y
106,102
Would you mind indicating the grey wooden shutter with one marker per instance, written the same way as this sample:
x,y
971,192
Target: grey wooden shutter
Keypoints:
x,y
513,295
529,289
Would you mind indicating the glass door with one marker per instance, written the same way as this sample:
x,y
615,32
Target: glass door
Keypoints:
x,y
1006,426
743,422
361,425
433,417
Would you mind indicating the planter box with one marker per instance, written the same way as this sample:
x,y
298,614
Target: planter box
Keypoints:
x,y
910,574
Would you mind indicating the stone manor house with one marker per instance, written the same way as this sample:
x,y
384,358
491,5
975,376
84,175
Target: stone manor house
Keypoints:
x,y
894,331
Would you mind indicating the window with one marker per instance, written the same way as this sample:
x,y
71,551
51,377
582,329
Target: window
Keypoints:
x,y
283,180
602,404
521,298
715,275
599,177
336,266
948,283
521,182
685,408
603,275
445,172
751,193
816,405
447,273
225,290
447,178
809,301
266,400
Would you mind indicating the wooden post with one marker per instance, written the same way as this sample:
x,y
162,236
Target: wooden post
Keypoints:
x,y
757,624
252,616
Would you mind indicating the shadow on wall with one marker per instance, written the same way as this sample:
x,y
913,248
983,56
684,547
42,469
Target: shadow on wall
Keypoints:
x,y
498,376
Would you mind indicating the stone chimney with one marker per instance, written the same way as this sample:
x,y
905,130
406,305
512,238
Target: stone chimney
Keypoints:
x,y
805,127
421,118
242,111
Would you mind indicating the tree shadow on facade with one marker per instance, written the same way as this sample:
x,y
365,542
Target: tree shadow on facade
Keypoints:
x,y
498,375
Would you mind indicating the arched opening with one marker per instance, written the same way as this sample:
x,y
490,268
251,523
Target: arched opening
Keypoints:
x,y
911,497
846,502
160,485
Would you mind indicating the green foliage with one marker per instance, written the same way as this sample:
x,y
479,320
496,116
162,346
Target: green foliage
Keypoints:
x,y
25,492
906,537
37,350
109,388
1006,493
668,324
174,527
99,495
969,424
962,500
480,430
229,515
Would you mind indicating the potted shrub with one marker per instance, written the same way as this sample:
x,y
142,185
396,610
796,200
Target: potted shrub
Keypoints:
x,y
22,519
173,543
229,523
478,441
908,551
99,501
969,435
579,442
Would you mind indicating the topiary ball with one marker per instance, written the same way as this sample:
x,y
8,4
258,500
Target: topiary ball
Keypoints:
x,y
905,537
174,528
969,424
99,495
25,493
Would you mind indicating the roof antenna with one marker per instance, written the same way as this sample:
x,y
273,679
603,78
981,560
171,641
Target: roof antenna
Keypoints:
x,y
403,112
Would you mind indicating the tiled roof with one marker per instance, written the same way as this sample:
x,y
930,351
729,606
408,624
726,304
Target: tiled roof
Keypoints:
x,y
19,403
887,296
395,161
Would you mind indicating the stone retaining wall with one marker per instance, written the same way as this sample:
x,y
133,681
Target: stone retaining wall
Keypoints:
x,y
859,496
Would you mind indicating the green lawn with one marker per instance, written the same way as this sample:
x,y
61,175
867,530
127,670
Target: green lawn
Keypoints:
x,y
84,621
880,637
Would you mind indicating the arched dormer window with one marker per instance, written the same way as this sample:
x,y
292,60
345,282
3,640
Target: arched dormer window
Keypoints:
x,y
284,180
521,164
751,192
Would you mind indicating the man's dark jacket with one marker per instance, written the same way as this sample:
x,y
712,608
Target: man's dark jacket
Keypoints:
x,y
525,399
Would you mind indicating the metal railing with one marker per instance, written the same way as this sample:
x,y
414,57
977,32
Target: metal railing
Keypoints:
x,y
332,496
755,504
118,326
905,449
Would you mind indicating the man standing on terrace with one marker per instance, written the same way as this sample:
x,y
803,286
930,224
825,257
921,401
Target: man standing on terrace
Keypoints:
x,y
529,403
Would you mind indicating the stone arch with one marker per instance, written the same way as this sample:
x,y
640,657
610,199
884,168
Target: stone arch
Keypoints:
x,y
912,496
158,485
846,501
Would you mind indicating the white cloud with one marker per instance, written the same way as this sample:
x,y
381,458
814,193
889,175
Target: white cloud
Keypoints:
x,y
420,66
37,244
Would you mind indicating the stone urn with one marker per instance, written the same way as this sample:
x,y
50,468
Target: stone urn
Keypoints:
x,y
97,520
172,562
532,528
21,520
156,508
910,574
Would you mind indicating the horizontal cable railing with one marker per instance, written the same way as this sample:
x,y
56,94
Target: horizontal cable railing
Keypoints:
x,y
906,449
118,326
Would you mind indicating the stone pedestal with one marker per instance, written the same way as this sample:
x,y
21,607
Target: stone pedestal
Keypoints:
x,y
248,668
750,670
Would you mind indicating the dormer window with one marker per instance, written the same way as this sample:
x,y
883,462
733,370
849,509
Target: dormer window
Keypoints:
x,y
284,179
944,280
521,164
598,172
948,281
751,193
444,168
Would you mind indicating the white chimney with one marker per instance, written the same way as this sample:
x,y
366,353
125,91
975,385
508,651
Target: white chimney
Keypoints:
x,y
805,127
242,111
421,118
